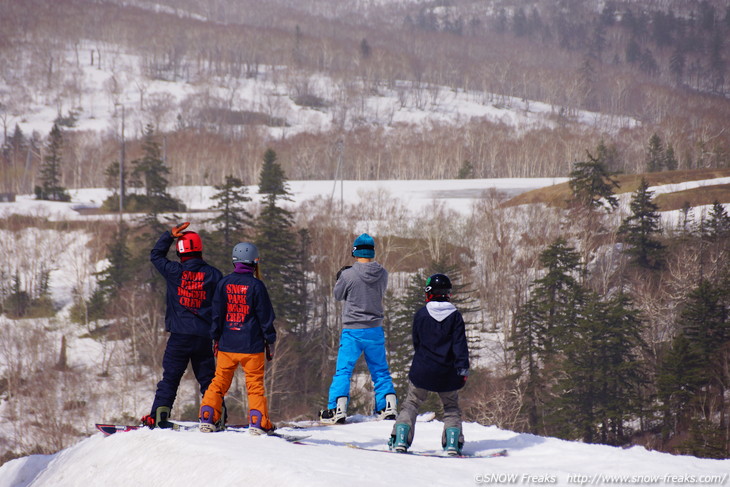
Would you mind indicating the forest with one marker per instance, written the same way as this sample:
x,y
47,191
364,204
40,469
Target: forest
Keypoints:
x,y
604,326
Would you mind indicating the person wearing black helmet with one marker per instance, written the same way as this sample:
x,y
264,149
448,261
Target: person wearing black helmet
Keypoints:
x,y
190,286
440,364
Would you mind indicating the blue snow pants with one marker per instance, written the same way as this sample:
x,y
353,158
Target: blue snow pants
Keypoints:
x,y
353,343
180,350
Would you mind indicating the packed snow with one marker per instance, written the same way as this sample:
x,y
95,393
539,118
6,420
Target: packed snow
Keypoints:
x,y
174,458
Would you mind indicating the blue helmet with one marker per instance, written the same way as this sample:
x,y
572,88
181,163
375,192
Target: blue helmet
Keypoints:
x,y
364,246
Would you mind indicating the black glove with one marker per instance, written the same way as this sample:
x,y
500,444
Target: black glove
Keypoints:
x,y
339,273
269,348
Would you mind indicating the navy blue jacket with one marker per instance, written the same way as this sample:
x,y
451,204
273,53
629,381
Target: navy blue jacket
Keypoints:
x,y
243,317
190,288
441,351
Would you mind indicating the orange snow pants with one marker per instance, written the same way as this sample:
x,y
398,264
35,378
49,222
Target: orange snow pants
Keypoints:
x,y
253,367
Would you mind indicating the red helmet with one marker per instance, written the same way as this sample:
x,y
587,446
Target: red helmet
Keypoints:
x,y
189,242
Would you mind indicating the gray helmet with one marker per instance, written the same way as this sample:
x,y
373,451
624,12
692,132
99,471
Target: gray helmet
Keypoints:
x,y
246,253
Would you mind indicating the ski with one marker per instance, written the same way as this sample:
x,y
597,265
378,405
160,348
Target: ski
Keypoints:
x,y
436,454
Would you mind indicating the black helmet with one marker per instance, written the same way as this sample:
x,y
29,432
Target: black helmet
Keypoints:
x,y
438,284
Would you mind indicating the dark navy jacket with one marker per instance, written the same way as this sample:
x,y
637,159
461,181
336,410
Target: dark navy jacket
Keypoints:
x,y
439,340
243,317
190,288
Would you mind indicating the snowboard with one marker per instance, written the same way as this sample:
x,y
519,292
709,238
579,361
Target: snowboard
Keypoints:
x,y
109,429
436,454
357,418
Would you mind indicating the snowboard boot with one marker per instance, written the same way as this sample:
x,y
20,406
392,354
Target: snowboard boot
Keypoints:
x,y
207,425
452,444
399,441
338,415
254,424
389,411
162,417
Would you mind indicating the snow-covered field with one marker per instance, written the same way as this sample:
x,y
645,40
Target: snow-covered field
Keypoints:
x,y
456,194
163,458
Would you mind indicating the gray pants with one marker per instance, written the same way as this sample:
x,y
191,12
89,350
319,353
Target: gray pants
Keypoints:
x,y
415,397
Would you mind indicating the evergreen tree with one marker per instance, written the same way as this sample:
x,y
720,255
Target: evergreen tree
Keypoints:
x,y
18,301
639,229
679,378
230,223
670,159
110,281
271,179
279,246
15,149
399,329
466,171
119,271
151,172
704,321
655,154
543,324
717,226
50,176
694,376
591,183
599,389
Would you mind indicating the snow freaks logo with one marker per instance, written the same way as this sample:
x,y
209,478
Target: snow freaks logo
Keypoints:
x,y
600,479
515,478
190,291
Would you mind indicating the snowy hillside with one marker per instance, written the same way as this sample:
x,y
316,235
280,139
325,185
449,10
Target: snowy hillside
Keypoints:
x,y
151,101
168,458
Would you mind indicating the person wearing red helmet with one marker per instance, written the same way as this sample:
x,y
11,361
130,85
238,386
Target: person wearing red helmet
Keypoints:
x,y
191,284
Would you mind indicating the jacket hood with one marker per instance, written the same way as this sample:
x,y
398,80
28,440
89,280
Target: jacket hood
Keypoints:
x,y
369,271
440,310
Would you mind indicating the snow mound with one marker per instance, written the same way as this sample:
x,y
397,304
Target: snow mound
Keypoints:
x,y
174,458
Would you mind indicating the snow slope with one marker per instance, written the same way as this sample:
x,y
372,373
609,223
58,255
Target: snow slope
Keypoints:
x,y
168,458
159,102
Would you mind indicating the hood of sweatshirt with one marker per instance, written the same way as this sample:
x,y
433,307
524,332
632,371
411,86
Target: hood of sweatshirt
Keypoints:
x,y
369,271
440,310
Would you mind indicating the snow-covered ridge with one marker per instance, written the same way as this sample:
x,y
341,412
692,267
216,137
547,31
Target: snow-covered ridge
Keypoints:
x,y
168,458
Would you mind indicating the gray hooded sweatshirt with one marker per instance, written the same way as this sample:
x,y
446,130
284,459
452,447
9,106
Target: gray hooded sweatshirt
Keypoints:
x,y
362,288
